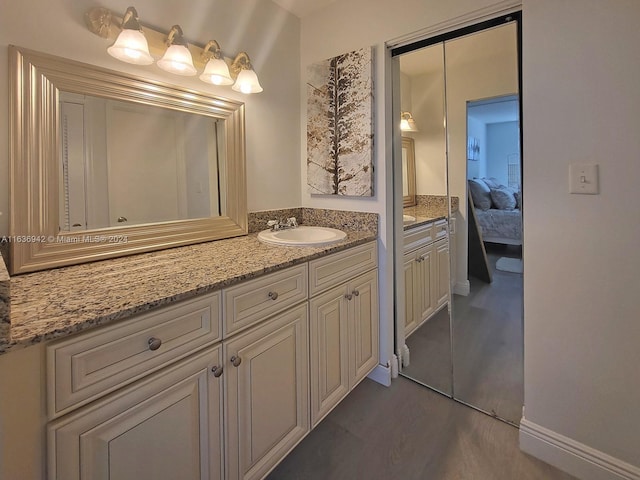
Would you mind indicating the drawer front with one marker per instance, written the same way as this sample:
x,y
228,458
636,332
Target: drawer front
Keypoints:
x,y
84,367
329,271
253,301
417,237
440,229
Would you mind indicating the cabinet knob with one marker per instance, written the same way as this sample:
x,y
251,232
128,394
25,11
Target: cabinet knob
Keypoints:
x,y
217,370
355,293
348,296
273,295
154,343
419,259
236,361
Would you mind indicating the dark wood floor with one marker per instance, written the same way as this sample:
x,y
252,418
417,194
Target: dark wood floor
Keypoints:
x,y
488,341
409,432
487,344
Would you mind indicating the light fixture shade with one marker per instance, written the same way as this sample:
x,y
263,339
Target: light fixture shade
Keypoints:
x,y
247,82
216,71
177,59
131,46
407,123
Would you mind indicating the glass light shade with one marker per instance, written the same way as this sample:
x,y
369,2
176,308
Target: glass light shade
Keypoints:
x,y
407,123
131,46
216,72
177,59
247,82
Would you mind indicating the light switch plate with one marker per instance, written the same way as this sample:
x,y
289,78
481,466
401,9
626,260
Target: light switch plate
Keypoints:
x,y
583,179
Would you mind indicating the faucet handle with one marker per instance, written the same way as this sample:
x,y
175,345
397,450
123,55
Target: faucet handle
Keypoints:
x,y
271,223
292,221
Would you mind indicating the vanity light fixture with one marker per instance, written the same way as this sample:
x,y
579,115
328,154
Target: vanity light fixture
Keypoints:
x,y
177,59
216,71
247,80
131,45
407,123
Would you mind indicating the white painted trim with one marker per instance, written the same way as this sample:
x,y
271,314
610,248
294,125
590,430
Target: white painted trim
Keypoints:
x,y
476,16
572,456
381,374
462,288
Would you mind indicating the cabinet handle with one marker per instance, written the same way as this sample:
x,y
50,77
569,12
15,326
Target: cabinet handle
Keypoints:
x,y
273,295
217,370
236,361
419,259
355,293
348,296
154,343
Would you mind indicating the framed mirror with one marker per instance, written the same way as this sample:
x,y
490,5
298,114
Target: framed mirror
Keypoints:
x,y
105,164
408,172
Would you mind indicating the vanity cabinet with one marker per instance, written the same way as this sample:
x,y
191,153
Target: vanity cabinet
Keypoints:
x,y
221,386
426,273
343,329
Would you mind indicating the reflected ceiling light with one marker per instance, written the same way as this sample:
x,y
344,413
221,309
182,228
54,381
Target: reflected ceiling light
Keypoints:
x,y
177,59
131,45
407,123
216,71
247,80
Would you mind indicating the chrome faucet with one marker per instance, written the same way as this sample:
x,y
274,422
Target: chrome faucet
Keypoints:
x,y
275,225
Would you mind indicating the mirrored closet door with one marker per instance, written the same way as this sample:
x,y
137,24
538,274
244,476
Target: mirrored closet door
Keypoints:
x,y
459,303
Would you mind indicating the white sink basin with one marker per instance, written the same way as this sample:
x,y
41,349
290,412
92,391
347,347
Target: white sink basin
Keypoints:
x,y
407,219
302,236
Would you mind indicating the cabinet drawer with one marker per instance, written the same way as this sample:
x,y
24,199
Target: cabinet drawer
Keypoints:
x,y
255,300
329,271
440,229
84,367
417,237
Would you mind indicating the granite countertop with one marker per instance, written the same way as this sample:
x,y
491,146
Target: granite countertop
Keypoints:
x,y
56,303
424,214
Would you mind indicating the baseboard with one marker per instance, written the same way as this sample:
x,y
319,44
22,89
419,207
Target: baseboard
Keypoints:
x,y
381,374
571,456
462,288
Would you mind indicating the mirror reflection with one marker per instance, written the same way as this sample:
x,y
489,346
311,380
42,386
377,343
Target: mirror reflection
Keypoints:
x,y
125,163
471,350
153,165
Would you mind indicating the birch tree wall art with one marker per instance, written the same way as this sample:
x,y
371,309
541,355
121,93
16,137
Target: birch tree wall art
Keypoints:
x,y
340,125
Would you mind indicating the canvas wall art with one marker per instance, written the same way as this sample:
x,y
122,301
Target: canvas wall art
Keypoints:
x,y
340,125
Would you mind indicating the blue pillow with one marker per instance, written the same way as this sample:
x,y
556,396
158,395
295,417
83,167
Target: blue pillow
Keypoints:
x,y
480,194
503,198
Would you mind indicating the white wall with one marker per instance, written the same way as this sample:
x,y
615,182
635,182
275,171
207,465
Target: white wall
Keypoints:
x,y
269,34
582,330
427,98
580,74
503,139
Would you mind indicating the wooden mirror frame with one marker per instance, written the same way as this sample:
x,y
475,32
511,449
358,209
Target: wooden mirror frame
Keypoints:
x,y
410,199
36,80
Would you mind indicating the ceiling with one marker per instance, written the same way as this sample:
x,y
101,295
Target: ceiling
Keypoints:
x,y
302,8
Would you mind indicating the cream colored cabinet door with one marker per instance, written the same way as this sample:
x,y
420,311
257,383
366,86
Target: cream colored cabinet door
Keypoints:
x,y
266,393
164,427
363,326
329,348
423,279
410,304
441,272
344,341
